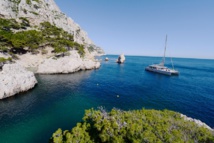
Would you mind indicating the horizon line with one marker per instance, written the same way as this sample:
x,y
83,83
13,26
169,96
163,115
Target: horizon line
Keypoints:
x,y
166,56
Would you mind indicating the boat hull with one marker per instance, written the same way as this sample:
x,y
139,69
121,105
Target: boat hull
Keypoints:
x,y
165,72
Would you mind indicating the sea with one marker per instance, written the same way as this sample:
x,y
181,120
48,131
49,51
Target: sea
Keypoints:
x,y
59,101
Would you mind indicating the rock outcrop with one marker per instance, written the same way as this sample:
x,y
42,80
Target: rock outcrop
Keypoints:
x,y
15,79
121,59
67,64
198,122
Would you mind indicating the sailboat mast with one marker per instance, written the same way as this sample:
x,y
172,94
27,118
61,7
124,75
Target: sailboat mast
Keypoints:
x,y
164,51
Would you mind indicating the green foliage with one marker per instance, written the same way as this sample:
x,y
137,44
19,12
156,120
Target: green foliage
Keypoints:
x,y
25,22
14,56
35,13
15,1
24,19
38,1
3,48
53,31
81,50
91,49
59,50
137,126
15,5
57,136
25,11
30,39
28,2
46,34
3,60
8,24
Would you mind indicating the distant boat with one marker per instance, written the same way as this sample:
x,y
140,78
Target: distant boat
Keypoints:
x,y
160,68
106,59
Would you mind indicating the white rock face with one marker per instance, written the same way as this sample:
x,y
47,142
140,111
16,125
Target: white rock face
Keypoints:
x,y
15,79
121,59
67,64
4,55
44,10
89,64
198,122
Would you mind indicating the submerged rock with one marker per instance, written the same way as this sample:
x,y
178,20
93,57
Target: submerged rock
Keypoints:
x,y
15,79
121,59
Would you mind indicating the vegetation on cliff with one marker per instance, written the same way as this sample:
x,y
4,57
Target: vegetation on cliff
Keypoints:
x,y
16,37
135,126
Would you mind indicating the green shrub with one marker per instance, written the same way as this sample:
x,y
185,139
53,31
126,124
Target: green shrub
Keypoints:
x,y
14,56
46,34
137,126
3,48
33,12
28,2
15,1
38,1
25,22
25,11
10,59
91,49
81,50
59,50
31,39
3,60
8,24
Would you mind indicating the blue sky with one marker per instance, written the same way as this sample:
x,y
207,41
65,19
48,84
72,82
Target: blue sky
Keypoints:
x,y
139,27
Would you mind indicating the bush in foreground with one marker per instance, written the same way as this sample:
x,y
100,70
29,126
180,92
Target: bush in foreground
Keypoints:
x,y
137,126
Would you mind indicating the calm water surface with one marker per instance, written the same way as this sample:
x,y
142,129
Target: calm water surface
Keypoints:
x,y
60,100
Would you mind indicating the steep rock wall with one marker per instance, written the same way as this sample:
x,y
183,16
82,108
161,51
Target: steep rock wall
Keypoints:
x,y
38,11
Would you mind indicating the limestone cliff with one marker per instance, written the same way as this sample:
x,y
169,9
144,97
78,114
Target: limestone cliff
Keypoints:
x,y
38,11
15,79
36,35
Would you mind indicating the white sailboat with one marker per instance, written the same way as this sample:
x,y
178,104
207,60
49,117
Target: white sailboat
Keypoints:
x,y
160,68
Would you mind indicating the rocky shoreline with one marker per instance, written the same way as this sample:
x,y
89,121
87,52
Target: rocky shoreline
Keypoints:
x,y
53,44
198,122
66,64
15,79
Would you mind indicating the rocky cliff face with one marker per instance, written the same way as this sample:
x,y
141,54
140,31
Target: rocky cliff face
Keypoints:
x,y
14,79
37,11
68,64
47,58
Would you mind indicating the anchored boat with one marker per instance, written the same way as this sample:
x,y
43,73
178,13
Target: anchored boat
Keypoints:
x,y
160,68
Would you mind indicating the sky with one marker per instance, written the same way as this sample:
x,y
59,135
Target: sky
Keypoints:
x,y
139,27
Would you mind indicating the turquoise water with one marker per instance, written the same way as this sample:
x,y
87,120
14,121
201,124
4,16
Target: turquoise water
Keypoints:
x,y
60,100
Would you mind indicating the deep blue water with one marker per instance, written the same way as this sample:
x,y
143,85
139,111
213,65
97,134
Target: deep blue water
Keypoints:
x,y
60,100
